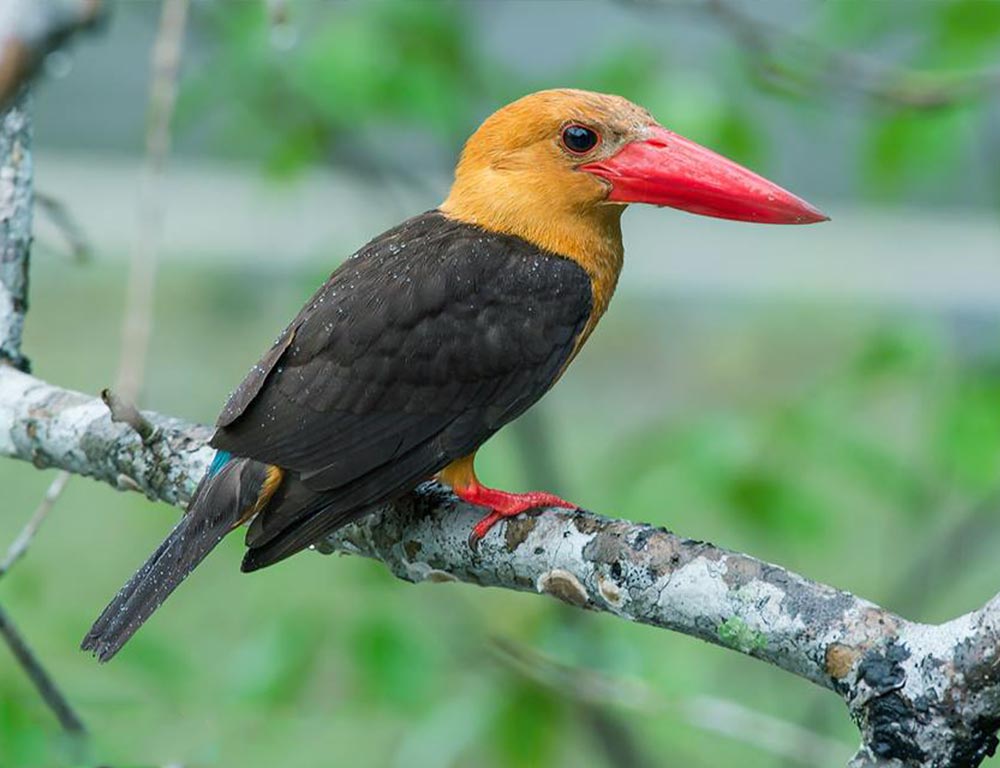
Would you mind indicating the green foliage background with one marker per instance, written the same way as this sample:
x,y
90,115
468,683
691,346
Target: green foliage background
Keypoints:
x,y
857,444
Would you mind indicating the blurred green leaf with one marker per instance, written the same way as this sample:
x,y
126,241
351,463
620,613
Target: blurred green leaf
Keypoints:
x,y
398,62
394,667
909,147
158,663
273,667
404,64
530,725
770,501
896,352
967,35
856,22
968,444
635,72
22,734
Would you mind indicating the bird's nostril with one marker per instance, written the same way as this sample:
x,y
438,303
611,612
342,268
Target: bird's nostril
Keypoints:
x,y
655,137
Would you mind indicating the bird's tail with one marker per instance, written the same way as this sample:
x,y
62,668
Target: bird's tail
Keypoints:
x,y
225,497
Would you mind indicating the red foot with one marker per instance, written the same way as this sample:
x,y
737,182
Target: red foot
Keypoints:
x,y
503,505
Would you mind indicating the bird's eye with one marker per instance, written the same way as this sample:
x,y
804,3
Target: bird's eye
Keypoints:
x,y
579,139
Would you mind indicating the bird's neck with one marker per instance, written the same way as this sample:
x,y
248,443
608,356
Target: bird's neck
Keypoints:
x,y
591,237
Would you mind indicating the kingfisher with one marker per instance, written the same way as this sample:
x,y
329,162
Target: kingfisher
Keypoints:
x,y
437,333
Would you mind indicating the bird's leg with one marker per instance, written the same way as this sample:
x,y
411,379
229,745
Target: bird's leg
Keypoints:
x,y
461,476
503,504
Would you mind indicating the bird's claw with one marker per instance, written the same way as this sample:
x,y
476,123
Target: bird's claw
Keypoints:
x,y
503,505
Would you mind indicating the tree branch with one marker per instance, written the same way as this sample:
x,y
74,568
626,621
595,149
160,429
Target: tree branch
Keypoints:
x,y
19,546
16,190
928,695
800,65
31,29
15,228
70,230
53,427
45,685
137,323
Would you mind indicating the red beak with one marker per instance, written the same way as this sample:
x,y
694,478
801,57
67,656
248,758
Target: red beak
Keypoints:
x,y
667,169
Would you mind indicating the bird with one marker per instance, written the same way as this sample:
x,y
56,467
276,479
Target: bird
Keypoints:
x,y
434,335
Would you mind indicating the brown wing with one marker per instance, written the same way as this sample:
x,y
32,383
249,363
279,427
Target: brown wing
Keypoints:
x,y
412,354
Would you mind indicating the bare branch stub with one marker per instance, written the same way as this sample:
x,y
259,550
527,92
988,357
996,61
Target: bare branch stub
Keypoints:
x,y
124,412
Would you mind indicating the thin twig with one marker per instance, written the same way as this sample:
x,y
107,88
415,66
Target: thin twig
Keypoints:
x,y
138,319
580,684
593,694
818,68
847,70
941,561
615,736
20,544
41,679
779,737
68,226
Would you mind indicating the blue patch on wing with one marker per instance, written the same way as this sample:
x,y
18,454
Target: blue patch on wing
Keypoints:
x,y
221,459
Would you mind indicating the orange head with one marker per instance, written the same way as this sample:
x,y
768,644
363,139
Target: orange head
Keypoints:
x,y
558,167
